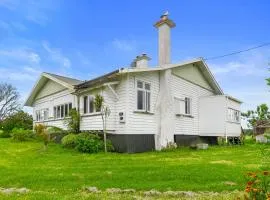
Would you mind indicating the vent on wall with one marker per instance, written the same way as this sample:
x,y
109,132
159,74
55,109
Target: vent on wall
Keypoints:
x,y
122,117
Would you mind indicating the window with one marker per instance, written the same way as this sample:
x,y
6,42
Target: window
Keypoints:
x,y
89,105
182,106
233,115
62,111
42,115
46,114
187,106
143,96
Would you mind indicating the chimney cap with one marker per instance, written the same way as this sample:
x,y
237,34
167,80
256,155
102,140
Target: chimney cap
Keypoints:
x,y
142,56
165,20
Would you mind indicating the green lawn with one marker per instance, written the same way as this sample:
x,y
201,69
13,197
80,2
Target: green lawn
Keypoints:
x,y
60,173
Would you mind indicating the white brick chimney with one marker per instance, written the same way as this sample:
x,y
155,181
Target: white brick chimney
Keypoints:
x,y
164,26
141,61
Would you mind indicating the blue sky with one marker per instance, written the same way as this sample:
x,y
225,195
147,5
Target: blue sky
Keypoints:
x,y
87,38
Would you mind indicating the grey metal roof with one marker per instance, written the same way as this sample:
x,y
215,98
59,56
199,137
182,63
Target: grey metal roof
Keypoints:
x,y
100,79
68,80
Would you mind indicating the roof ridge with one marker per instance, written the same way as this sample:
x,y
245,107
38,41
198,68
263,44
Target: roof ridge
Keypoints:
x,y
62,76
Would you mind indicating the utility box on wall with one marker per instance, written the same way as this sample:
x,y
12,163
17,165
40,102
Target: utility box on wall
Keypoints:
x,y
122,117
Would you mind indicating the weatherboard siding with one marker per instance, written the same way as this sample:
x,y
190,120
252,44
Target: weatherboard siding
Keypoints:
x,y
142,123
121,105
50,87
93,121
181,89
51,101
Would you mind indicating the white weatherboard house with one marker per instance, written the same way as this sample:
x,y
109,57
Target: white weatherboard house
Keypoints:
x,y
150,106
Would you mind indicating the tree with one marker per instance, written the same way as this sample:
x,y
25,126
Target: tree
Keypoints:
x,y
8,100
105,113
260,114
19,119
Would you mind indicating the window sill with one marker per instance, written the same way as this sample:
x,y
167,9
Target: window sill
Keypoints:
x,y
51,119
144,112
184,115
91,114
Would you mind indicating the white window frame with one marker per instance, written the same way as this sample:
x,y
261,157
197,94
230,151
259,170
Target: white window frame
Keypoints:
x,y
59,107
146,100
42,114
180,105
233,115
87,110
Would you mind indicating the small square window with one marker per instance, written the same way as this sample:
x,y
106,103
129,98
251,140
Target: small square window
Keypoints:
x,y
139,84
147,86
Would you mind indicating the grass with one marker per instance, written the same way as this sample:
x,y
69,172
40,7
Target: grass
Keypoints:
x,y
59,173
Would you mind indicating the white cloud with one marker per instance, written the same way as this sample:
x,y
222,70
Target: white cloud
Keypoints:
x,y
56,55
10,27
244,77
32,70
248,64
20,54
16,75
124,45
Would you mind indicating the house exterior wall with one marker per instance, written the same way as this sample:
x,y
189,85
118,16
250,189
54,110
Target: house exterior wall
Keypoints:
x,y
93,121
192,73
49,102
212,114
50,88
213,117
140,122
233,128
186,125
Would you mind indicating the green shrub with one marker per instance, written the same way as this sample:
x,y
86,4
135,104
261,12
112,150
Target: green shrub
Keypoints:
x,y
4,134
88,143
110,147
73,121
91,143
56,134
19,119
19,134
69,141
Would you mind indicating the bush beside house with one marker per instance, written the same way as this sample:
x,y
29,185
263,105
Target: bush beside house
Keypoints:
x,y
20,134
86,142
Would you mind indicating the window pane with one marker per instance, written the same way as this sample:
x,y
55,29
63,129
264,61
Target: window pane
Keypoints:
x,y
91,105
37,119
187,106
58,112
54,112
85,104
69,106
147,86
46,114
139,84
140,100
66,110
62,111
41,115
148,101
